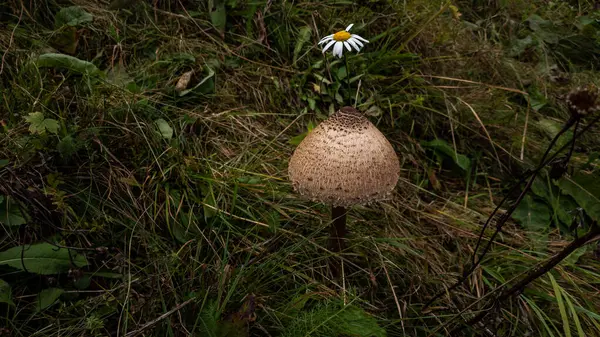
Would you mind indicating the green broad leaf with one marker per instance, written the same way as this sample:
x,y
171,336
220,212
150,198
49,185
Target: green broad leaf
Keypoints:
x,y
519,46
55,60
218,14
540,189
533,215
205,86
572,259
83,282
585,189
67,147
166,131
72,16
296,140
443,149
342,73
184,229
47,297
565,208
42,258
6,293
374,111
38,124
551,128
301,39
10,213
312,104
537,99
545,30
562,206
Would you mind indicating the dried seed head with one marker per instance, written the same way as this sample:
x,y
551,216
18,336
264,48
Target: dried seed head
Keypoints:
x,y
345,161
583,101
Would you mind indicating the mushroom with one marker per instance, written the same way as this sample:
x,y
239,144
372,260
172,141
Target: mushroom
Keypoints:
x,y
344,161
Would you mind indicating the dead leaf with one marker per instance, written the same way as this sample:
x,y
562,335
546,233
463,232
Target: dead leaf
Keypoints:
x,y
184,81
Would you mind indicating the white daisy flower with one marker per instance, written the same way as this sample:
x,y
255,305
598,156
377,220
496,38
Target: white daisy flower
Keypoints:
x,y
343,39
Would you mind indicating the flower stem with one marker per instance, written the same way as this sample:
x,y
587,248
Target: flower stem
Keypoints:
x,y
348,79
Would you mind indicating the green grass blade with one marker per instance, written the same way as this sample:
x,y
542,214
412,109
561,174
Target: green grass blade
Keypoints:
x,y
569,303
543,318
561,305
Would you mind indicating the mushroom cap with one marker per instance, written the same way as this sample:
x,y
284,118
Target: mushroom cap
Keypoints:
x,y
344,161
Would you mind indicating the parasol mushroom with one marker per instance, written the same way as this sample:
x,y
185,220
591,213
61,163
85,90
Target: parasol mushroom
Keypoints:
x,y
344,161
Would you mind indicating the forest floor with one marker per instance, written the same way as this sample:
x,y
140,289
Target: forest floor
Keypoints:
x,y
143,168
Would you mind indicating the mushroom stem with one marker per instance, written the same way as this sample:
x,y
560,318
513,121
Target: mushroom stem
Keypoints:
x,y
337,231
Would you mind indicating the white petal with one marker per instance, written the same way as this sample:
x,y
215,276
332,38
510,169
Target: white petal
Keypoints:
x,y
353,44
360,38
335,48
347,46
360,44
349,27
328,36
338,49
325,39
329,45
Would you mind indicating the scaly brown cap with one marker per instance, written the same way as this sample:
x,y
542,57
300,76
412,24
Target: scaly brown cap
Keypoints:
x,y
344,161
583,101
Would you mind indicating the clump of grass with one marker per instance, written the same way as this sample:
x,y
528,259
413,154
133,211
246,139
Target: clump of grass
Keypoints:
x,y
181,198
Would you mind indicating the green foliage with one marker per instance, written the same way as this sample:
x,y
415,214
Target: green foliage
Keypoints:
x,y
208,320
443,151
577,43
165,130
72,16
205,86
298,139
71,63
47,297
218,14
333,320
533,214
6,293
584,188
551,128
67,146
10,213
557,202
303,37
178,192
39,124
42,258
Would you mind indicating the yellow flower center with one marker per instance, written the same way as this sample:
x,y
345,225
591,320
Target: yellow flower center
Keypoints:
x,y
341,36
